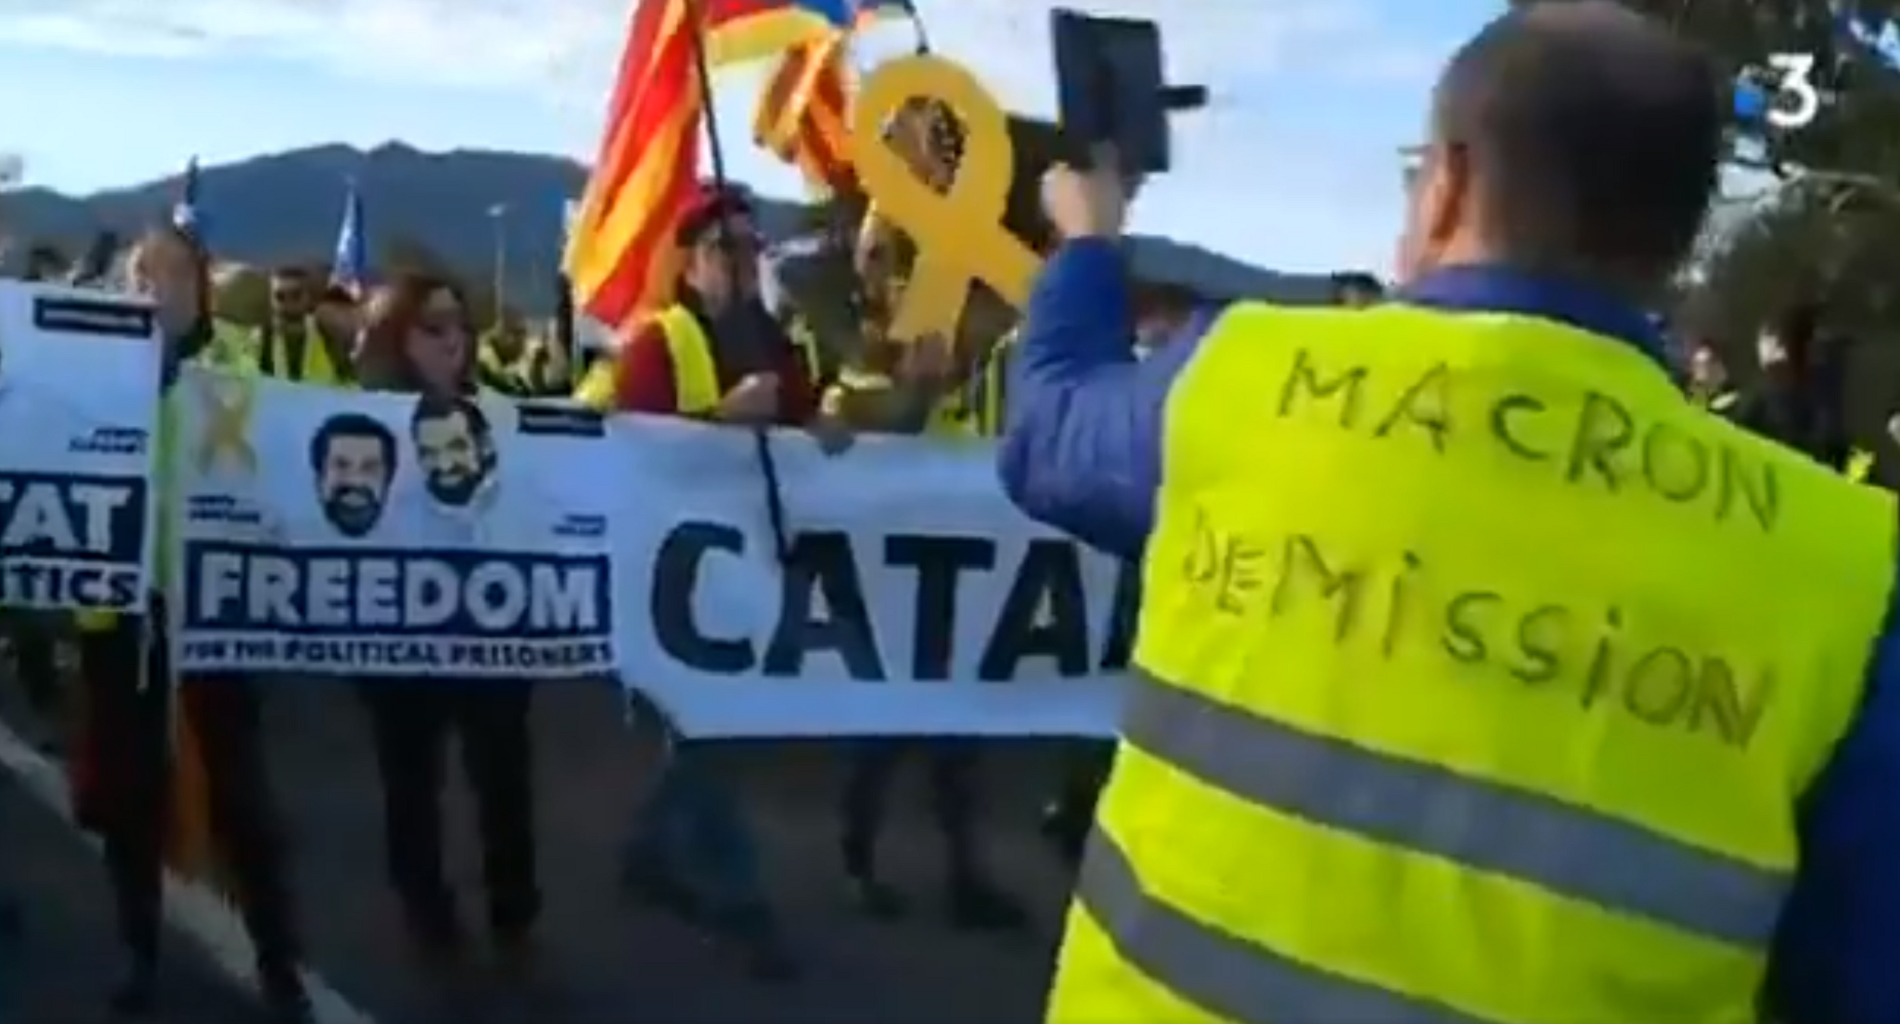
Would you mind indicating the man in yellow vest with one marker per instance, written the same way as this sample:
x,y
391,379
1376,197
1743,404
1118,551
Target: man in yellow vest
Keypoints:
x,y
715,355
293,344
1709,383
1481,677
135,744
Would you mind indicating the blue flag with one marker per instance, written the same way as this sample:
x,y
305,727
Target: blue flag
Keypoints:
x,y
186,215
350,269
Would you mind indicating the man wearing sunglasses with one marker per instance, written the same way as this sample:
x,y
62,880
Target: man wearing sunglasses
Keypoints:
x,y
716,354
293,344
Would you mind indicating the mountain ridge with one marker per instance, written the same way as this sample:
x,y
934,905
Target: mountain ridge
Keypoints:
x,y
285,207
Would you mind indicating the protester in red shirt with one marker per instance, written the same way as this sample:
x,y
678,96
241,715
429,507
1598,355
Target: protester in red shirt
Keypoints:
x,y
763,377
716,354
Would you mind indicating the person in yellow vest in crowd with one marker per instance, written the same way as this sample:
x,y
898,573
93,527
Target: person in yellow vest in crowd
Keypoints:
x,y
1480,676
293,345
499,356
1709,383
132,743
597,386
714,355
1860,466
922,387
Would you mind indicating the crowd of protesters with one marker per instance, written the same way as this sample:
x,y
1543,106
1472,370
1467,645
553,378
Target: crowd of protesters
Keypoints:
x,y
690,851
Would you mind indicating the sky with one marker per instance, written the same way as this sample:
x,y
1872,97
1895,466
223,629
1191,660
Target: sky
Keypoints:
x,y
1295,164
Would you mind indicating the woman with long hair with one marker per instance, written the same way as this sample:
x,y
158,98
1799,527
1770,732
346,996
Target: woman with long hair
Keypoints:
x,y
416,338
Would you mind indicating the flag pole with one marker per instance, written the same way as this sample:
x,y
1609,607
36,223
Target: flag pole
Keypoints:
x,y
917,24
715,153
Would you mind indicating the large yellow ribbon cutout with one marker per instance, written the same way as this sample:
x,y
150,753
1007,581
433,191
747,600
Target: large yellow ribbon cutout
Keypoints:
x,y
959,234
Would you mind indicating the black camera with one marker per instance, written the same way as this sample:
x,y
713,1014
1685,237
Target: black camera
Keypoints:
x,y
1111,89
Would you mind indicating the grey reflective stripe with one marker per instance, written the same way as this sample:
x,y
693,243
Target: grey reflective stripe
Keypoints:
x,y
1487,826
1223,974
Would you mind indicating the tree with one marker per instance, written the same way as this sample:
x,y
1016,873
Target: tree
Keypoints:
x,y
1812,212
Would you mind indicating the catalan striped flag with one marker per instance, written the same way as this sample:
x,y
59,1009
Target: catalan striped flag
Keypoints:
x,y
621,259
804,115
745,30
620,254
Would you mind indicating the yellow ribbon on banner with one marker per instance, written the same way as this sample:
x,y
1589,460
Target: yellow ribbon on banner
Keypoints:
x,y
959,234
227,403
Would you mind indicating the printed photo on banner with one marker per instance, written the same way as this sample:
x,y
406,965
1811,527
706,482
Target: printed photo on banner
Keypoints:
x,y
376,536
79,395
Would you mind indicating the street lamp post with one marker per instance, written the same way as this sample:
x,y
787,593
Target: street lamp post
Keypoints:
x,y
498,213
12,172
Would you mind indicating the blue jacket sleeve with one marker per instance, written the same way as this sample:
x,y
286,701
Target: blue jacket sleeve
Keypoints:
x,y
1082,451
1836,953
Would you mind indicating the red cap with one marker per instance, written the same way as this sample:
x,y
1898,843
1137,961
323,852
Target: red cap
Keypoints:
x,y
709,206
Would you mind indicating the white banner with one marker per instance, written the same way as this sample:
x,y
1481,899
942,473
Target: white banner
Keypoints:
x,y
914,601
79,378
357,534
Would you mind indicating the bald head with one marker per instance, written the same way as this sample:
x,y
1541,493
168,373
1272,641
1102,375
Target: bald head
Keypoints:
x,y
1584,138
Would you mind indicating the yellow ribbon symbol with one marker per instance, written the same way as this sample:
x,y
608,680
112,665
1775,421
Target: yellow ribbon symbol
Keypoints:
x,y
960,235
227,403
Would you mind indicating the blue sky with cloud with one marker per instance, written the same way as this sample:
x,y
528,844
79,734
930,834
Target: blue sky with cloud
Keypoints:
x,y
1295,164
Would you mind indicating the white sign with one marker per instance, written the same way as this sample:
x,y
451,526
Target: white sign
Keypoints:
x,y
358,534
79,386
913,600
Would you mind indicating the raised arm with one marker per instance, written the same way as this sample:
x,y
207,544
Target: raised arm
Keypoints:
x,y
1082,452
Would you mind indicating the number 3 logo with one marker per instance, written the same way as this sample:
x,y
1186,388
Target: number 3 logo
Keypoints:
x,y
1796,71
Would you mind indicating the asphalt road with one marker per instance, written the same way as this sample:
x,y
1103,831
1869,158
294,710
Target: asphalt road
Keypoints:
x,y
601,958
62,961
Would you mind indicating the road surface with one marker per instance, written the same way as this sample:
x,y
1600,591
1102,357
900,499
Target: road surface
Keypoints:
x,y
601,958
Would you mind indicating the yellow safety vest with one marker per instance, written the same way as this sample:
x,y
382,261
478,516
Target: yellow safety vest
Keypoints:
x,y
498,374
165,520
974,410
1860,465
596,387
989,398
949,418
1478,679
695,369
316,367
1719,402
